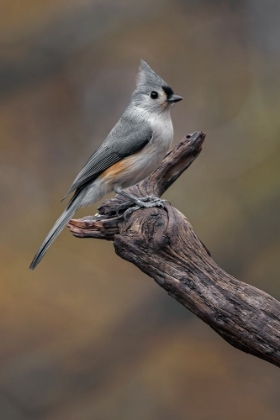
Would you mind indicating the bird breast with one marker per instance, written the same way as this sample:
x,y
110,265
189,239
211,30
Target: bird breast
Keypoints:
x,y
135,168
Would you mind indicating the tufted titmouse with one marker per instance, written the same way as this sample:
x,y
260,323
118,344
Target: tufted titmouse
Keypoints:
x,y
132,150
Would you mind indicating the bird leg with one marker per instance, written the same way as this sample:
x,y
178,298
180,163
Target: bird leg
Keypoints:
x,y
143,202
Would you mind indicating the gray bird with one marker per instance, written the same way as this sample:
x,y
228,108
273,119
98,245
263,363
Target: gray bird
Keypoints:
x,y
132,150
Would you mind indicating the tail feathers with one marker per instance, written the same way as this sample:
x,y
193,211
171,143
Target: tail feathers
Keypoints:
x,y
58,227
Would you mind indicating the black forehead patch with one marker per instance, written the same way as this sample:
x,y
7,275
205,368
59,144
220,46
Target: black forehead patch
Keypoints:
x,y
167,89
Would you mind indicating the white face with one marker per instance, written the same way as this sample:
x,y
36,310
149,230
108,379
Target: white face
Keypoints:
x,y
160,97
154,101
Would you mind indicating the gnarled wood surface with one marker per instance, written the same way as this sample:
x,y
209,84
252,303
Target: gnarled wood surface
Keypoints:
x,y
163,244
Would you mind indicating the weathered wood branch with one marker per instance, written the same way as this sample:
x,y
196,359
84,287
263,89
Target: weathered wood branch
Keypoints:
x,y
163,244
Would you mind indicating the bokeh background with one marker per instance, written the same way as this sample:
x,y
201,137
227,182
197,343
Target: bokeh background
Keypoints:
x,y
88,336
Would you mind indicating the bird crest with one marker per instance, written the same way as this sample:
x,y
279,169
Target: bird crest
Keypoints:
x,y
147,78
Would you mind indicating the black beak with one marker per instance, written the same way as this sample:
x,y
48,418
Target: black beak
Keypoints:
x,y
174,98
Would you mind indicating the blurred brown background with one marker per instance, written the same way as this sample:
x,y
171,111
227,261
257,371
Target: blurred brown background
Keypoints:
x,y
87,336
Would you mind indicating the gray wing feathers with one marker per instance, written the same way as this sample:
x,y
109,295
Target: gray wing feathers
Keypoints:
x,y
93,168
126,138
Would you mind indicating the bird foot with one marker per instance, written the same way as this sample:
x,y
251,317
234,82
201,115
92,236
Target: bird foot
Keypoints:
x,y
145,202
121,207
152,198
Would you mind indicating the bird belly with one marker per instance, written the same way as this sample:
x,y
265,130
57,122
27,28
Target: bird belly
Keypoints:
x,y
128,171
137,167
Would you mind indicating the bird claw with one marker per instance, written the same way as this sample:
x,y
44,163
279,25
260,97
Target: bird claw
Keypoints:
x,y
152,198
151,201
129,211
145,202
120,207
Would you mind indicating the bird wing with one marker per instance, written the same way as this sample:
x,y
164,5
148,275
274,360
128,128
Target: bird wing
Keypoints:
x,y
127,138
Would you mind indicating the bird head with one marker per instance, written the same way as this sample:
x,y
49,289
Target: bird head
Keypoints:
x,y
152,93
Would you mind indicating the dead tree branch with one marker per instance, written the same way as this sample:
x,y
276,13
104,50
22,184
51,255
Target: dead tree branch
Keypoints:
x,y
163,244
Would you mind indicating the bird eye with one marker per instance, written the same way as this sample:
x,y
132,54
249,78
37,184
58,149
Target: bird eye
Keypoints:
x,y
154,94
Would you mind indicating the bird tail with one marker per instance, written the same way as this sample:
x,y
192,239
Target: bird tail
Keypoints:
x,y
59,225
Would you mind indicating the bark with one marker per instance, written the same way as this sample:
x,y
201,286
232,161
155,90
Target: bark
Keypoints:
x,y
163,244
